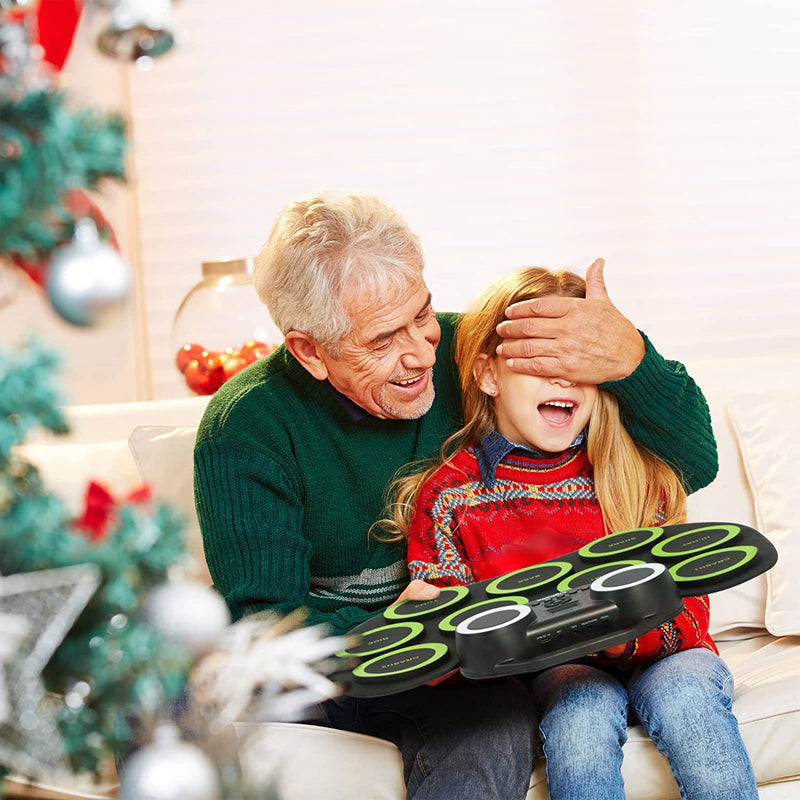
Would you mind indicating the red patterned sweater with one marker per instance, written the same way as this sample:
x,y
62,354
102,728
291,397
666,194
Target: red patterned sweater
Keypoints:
x,y
536,510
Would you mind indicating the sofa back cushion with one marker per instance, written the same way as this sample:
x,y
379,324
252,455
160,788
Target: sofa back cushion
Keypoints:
x,y
768,431
163,455
164,458
67,468
738,612
97,448
757,438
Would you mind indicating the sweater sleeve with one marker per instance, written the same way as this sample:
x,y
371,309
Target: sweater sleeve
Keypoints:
x,y
686,631
664,410
434,554
250,512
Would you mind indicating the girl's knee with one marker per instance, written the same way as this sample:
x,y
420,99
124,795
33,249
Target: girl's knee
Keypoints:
x,y
589,715
695,684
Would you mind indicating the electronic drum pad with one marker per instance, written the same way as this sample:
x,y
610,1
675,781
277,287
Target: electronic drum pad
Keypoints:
x,y
609,592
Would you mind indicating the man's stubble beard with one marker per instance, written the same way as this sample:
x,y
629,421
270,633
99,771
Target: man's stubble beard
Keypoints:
x,y
421,406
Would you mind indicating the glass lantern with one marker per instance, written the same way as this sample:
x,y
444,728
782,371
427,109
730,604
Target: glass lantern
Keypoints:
x,y
221,326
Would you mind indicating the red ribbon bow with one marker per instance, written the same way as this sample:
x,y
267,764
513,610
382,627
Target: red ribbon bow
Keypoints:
x,y
101,508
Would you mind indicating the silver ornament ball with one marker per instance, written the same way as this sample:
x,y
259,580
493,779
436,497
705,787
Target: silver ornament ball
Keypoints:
x,y
188,612
169,769
87,280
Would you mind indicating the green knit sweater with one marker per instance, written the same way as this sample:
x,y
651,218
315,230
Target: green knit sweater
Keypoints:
x,y
288,479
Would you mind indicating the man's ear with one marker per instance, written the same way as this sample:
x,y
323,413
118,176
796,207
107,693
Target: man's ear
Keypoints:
x,y
485,374
307,352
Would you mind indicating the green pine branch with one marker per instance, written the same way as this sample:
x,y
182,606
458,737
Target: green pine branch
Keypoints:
x,y
47,149
29,396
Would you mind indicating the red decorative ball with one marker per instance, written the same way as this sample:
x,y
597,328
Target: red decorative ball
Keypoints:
x,y
233,365
188,353
261,352
227,353
249,349
205,375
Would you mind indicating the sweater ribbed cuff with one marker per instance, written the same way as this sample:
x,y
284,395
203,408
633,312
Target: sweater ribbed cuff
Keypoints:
x,y
647,380
340,621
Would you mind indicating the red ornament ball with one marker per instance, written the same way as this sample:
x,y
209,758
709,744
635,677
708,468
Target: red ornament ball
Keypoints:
x,y
205,375
249,349
187,354
233,365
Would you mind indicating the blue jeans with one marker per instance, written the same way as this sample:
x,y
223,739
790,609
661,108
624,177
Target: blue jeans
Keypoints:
x,y
459,741
684,703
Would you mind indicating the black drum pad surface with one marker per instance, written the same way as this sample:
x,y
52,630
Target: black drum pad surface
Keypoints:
x,y
554,612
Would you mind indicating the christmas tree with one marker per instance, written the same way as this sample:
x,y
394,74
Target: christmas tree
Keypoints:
x,y
85,580
97,658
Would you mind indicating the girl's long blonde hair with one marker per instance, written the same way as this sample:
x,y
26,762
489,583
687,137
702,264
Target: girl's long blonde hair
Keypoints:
x,y
633,486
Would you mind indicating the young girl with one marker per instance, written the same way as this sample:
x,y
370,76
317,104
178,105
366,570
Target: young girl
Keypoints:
x,y
542,467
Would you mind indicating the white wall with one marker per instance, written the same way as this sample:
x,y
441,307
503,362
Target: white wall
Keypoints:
x,y
662,136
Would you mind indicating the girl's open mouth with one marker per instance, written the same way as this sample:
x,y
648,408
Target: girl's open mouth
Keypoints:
x,y
557,413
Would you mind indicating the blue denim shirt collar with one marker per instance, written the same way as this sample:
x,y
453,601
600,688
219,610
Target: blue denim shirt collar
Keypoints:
x,y
494,447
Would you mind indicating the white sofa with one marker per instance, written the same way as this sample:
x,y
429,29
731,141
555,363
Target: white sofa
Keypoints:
x,y
754,406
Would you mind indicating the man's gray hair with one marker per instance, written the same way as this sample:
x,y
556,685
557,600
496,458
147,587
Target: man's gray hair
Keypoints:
x,y
323,247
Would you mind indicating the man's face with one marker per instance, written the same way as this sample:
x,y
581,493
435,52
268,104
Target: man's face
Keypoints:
x,y
385,365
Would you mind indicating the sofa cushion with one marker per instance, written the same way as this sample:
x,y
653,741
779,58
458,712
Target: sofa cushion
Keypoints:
x,y
67,468
766,702
106,422
737,612
164,457
769,439
306,761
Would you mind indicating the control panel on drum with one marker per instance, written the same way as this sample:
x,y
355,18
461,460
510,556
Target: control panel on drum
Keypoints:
x,y
625,602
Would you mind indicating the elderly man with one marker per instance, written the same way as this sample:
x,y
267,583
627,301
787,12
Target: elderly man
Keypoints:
x,y
294,454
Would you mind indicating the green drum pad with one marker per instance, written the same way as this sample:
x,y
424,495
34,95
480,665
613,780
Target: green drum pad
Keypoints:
x,y
414,642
